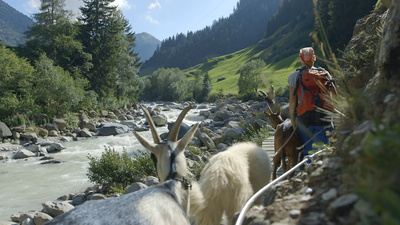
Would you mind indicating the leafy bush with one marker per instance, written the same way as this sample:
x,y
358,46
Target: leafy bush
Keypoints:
x,y
167,85
115,168
256,136
72,120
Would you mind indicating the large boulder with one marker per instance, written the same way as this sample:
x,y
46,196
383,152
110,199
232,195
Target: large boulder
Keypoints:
x,y
184,128
30,136
90,125
4,131
85,133
108,129
231,134
41,218
205,113
43,132
135,187
223,114
55,147
22,154
61,123
130,123
206,140
51,126
160,120
32,147
55,208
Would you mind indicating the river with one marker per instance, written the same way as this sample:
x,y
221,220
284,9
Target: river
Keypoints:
x,y
25,184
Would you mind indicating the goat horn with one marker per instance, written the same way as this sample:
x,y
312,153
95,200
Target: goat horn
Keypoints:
x,y
269,108
156,138
173,134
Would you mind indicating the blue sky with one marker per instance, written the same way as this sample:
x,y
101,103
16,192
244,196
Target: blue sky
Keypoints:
x,y
160,18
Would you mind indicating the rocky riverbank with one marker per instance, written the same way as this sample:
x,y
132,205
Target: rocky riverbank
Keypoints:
x,y
224,122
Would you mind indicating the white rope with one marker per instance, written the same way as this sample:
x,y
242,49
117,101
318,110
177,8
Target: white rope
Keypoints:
x,y
251,201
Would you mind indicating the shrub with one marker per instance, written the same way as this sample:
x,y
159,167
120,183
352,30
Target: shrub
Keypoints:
x,y
250,78
256,136
115,168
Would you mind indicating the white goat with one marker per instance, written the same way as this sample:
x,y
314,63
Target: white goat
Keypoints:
x,y
228,180
162,204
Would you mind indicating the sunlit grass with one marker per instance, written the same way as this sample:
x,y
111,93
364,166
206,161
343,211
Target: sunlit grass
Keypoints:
x,y
224,70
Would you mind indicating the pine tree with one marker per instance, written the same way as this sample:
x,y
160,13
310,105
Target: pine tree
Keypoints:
x,y
207,88
51,12
54,34
107,37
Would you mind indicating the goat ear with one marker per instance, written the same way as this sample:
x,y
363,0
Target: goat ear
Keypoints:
x,y
279,111
187,137
148,145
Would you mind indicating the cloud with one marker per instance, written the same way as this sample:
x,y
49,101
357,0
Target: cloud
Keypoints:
x,y
122,4
154,5
150,8
32,6
150,19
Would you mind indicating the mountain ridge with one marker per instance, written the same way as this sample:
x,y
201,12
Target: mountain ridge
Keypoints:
x,y
146,44
13,24
243,28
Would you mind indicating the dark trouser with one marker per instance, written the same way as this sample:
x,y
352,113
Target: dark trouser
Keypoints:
x,y
315,133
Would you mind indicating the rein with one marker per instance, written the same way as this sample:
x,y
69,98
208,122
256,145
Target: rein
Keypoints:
x,y
287,141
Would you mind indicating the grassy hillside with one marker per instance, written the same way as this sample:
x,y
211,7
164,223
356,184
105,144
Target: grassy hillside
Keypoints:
x,y
224,70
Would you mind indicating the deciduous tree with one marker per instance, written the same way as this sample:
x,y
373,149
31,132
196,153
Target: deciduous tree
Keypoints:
x,y
250,77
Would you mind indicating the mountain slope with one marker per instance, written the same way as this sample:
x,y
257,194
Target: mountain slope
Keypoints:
x,y
224,70
243,28
146,44
289,30
13,24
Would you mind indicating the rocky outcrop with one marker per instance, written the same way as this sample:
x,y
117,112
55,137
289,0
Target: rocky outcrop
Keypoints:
x,y
362,48
5,132
316,195
22,154
55,208
108,129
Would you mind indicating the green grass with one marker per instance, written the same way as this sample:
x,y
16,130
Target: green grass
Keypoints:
x,y
226,68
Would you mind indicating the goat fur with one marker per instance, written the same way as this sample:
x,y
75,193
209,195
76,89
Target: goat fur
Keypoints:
x,y
158,204
227,181
161,204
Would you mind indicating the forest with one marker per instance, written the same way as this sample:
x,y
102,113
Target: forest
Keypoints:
x,y
68,65
243,28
